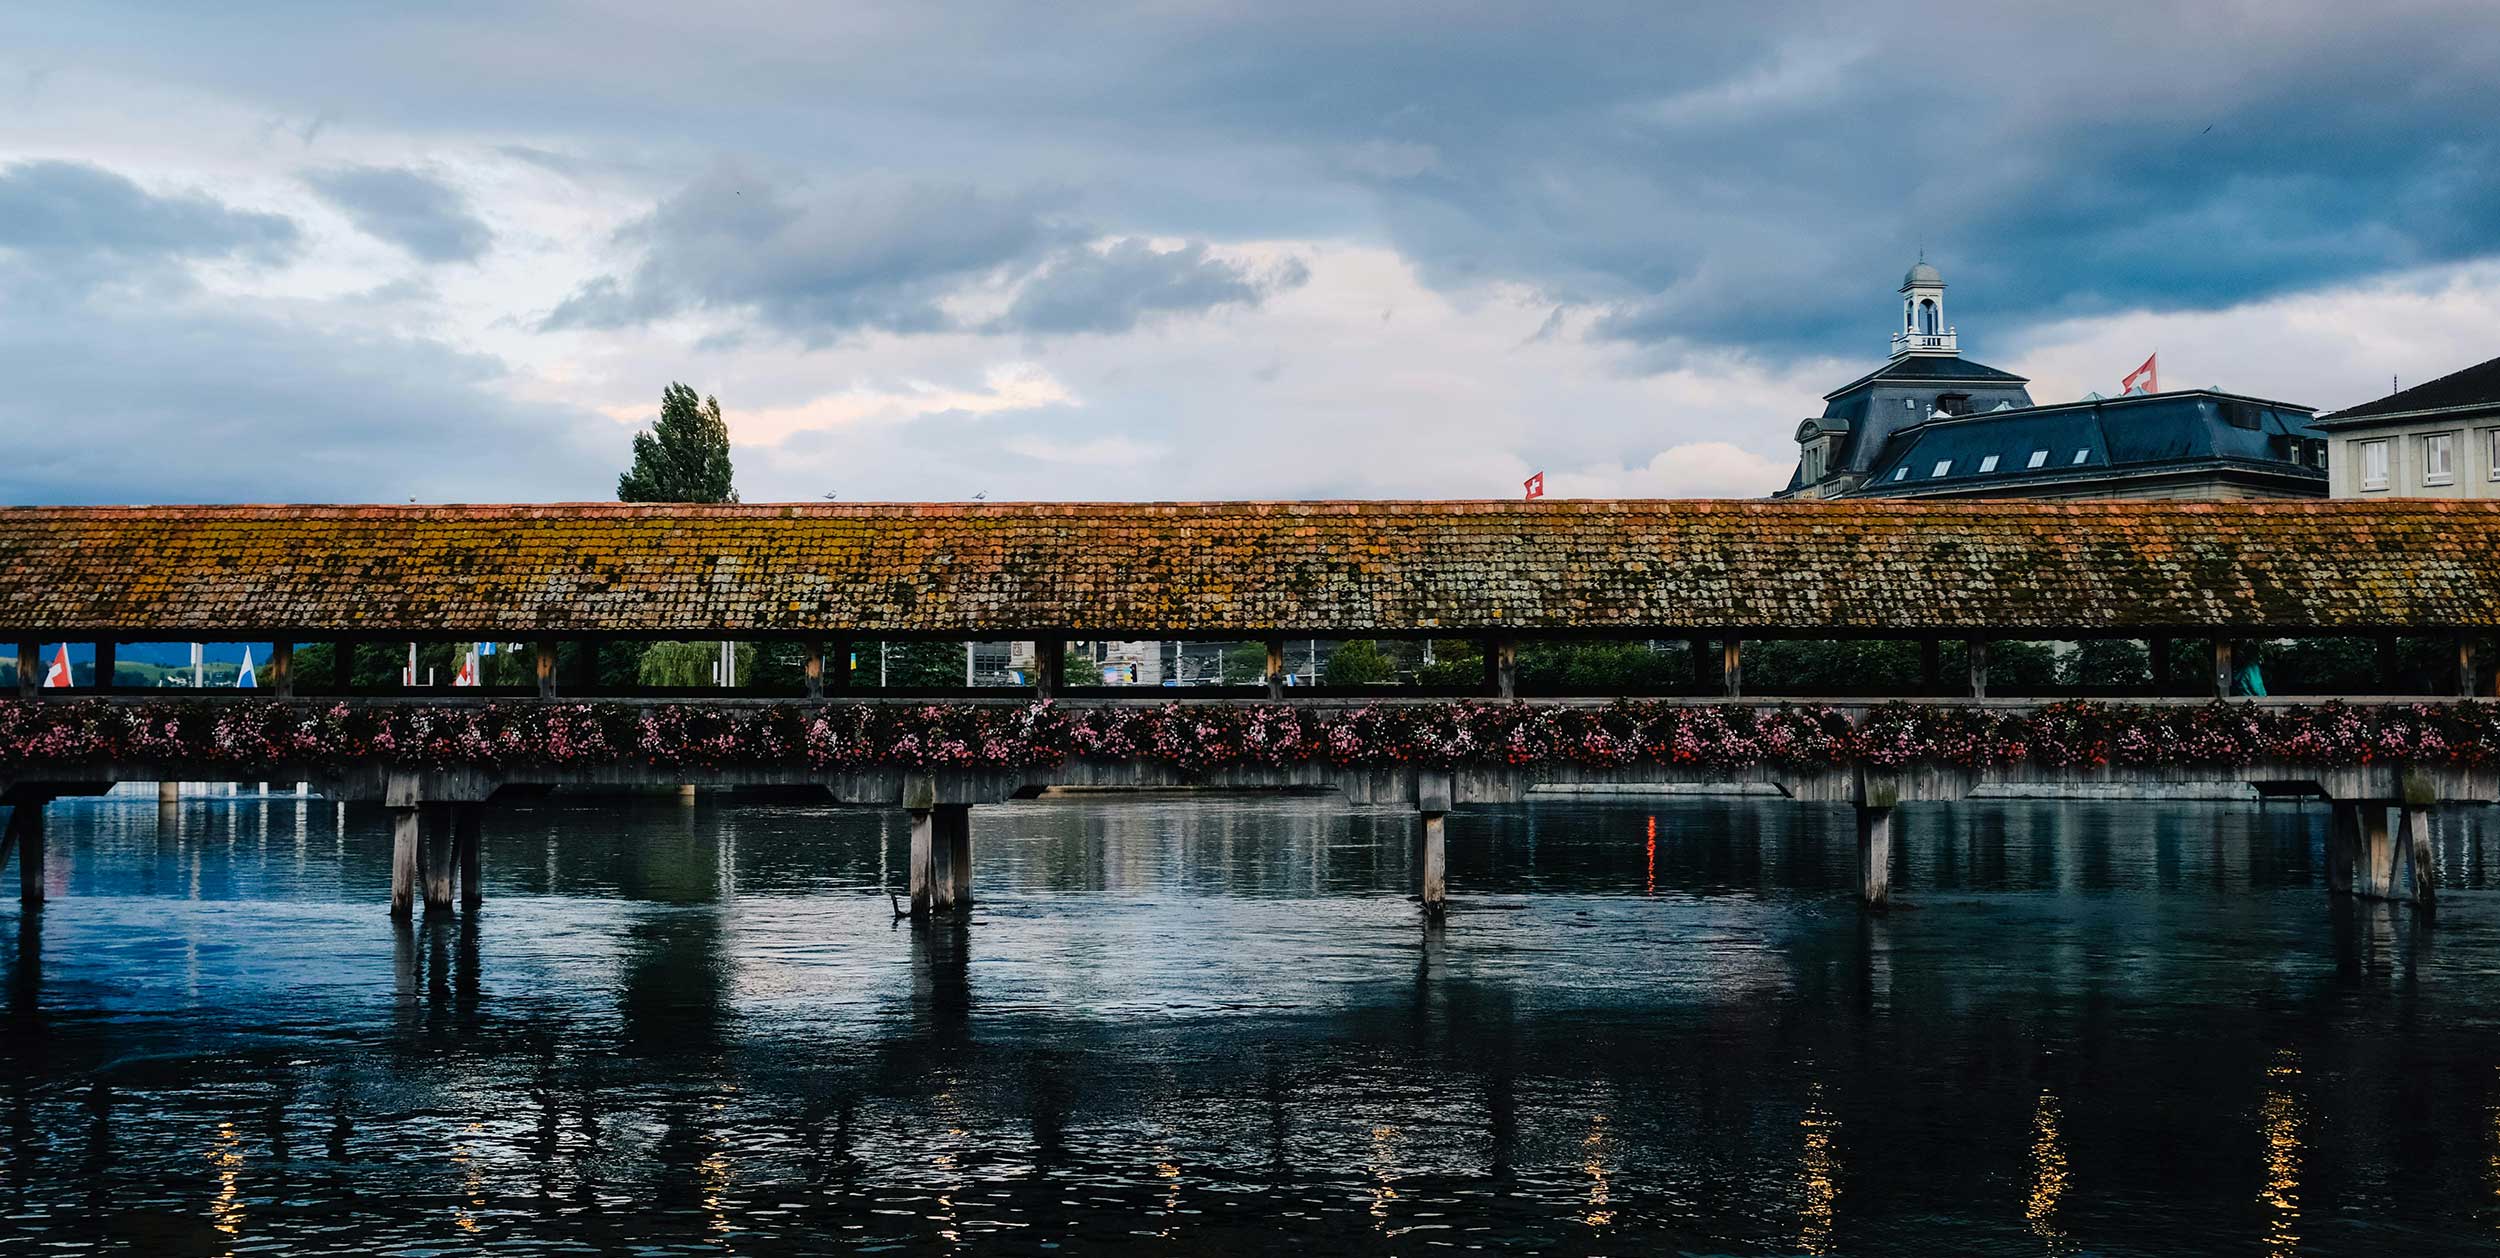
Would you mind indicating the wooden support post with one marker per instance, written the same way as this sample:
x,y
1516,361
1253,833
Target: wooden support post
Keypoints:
x,y
342,667
468,838
923,861
1978,648
168,794
26,822
1732,667
1501,666
1875,823
1930,666
951,848
438,856
543,654
2160,649
29,673
1050,659
1276,668
2423,856
812,668
2465,665
407,844
1432,865
2374,873
2222,667
1698,649
104,664
282,670
2343,845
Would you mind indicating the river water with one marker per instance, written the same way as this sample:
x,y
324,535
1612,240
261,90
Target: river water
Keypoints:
x,y
1215,1025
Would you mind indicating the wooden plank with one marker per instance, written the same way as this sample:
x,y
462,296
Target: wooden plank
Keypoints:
x,y
282,669
468,840
543,654
812,668
1732,667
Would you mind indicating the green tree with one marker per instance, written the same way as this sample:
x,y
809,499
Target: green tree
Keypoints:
x,y
1358,663
685,456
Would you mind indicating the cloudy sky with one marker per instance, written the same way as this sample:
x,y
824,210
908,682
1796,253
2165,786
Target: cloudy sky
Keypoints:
x,y
350,251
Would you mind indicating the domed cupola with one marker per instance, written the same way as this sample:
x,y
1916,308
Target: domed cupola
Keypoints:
x,y
1923,329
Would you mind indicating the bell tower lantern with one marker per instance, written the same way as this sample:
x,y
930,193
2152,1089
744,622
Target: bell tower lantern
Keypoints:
x,y
1923,329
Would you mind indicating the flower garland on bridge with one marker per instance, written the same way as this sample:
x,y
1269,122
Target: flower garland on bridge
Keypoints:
x,y
245,734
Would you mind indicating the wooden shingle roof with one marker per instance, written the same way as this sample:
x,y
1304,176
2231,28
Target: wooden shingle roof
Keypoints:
x,y
1246,568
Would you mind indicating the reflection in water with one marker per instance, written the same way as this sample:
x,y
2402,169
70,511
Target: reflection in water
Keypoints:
x,y
1814,1235
2048,1173
2279,1121
1179,1025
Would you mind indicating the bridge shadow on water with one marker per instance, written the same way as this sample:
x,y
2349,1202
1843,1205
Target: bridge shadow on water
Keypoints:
x,y
1219,1025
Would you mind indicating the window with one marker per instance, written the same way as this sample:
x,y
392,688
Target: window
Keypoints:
x,y
2491,451
2239,415
1814,462
2439,459
1988,464
2038,457
2080,456
1953,403
1942,466
2373,463
1901,472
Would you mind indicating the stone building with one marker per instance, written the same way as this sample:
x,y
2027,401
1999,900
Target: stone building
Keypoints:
x,y
2435,440
1933,424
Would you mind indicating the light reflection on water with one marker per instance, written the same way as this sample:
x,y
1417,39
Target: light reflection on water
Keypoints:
x,y
1218,1025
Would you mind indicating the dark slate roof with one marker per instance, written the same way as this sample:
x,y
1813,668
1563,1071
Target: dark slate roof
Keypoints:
x,y
1224,569
2134,435
2476,386
1926,367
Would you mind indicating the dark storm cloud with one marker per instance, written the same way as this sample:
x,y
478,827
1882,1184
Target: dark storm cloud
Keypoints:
x,y
421,214
1111,290
1754,177
70,220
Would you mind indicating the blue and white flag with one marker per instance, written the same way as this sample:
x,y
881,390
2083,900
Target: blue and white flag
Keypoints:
x,y
244,680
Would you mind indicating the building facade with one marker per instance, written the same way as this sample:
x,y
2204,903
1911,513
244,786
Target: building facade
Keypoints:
x,y
1933,424
2435,440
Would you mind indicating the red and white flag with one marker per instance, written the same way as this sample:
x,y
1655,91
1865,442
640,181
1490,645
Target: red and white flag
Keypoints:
x,y
59,676
1535,485
2143,379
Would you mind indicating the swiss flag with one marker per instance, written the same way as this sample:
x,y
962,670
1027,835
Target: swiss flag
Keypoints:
x,y
59,676
2150,382
1535,485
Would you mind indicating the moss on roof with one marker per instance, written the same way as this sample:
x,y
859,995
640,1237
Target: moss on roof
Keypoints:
x,y
1145,569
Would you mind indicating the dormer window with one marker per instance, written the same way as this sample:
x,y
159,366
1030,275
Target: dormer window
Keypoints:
x,y
1953,403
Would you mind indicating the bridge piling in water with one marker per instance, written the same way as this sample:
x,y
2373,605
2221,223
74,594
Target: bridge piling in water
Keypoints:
x,y
954,849
406,843
1875,827
438,863
25,833
468,838
1434,793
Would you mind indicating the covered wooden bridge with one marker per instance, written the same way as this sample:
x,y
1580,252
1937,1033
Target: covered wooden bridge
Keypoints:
x,y
2193,577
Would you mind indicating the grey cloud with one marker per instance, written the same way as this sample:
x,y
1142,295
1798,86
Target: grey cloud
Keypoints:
x,y
1111,290
1755,177
73,223
816,262
221,405
417,212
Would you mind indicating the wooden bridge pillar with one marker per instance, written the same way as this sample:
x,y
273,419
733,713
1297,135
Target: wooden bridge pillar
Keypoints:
x,y
2374,864
2466,674
920,801
544,656
2222,667
1050,659
29,673
25,833
2423,856
1433,793
281,672
1978,649
407,845
950,850
438,862
1275,668
1732,667
812,667
1697,650
468,835
1875,826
